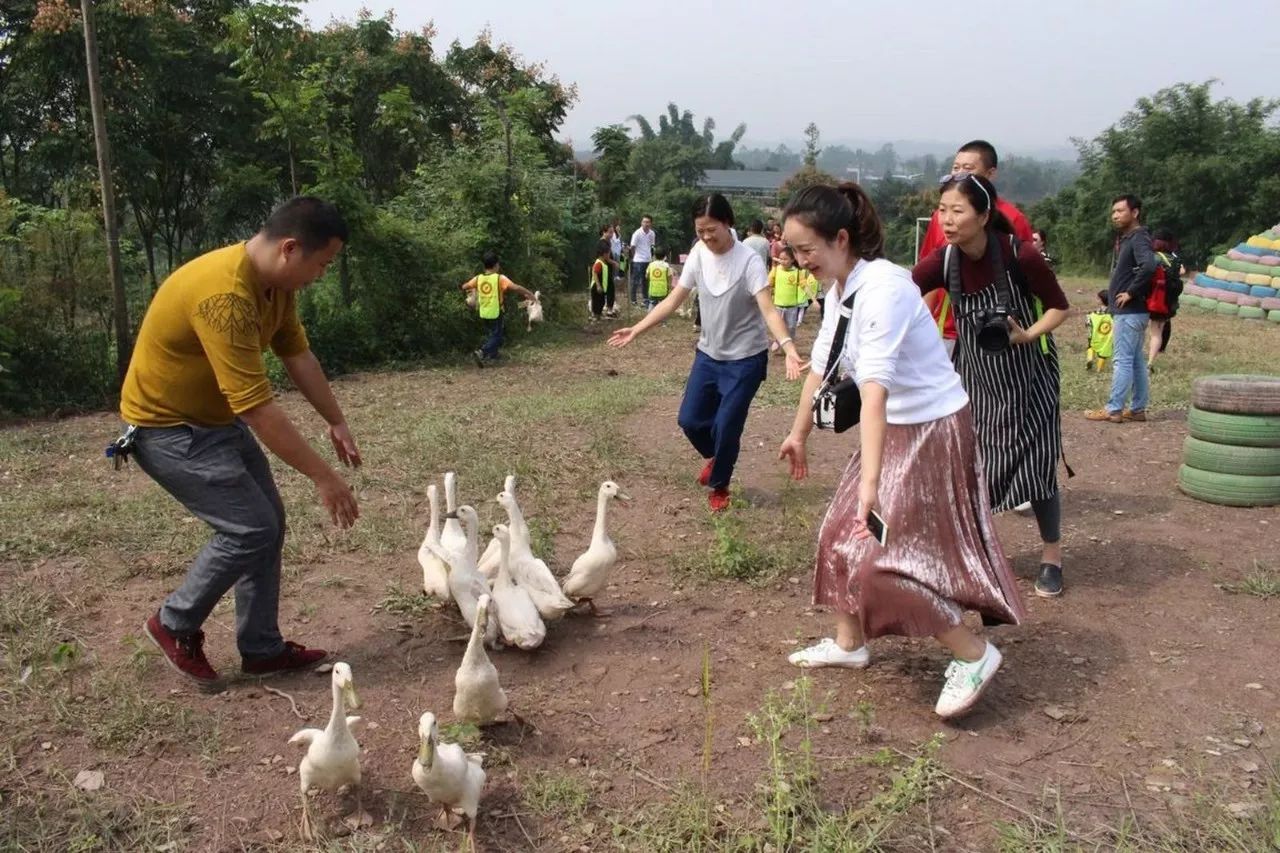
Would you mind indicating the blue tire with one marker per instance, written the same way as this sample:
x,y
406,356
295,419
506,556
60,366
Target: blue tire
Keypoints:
x,y
1246,249
1262,292
1215,283
1236,286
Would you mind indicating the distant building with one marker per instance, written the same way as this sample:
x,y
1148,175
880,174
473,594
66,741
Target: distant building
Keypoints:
x,y
754,184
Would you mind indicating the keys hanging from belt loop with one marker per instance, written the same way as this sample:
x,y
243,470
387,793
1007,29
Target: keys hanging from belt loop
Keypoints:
x,y
119,450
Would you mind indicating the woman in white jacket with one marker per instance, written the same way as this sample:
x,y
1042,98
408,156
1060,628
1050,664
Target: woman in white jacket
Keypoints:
x,y
918,465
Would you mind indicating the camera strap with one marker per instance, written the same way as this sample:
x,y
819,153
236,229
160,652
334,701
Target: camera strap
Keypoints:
x,y
955,282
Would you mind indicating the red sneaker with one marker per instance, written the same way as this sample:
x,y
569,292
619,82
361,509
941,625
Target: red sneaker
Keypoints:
x,y
294,656
718,500
184,654
704,479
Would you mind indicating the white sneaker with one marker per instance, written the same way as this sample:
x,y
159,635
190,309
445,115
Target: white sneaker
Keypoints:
x,y
966,680
1024,509
827,652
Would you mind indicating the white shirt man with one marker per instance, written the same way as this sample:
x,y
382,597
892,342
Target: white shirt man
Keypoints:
x,y
642,243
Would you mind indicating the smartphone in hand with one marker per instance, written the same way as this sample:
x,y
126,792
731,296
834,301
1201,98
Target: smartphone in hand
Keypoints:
x,y
878,528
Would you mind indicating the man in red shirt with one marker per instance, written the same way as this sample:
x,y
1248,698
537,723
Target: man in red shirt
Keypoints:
x,y
977,157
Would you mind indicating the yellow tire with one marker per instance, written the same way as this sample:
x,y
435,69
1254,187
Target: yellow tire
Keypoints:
x,y
1237,277
1214,272
1257,278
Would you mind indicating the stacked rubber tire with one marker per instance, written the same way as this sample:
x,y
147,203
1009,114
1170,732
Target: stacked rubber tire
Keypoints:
x,y
1232,456
1245,282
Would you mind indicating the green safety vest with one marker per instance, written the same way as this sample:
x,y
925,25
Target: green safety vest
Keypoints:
x,y
1100,340
786,287
659,279
604,276
489,295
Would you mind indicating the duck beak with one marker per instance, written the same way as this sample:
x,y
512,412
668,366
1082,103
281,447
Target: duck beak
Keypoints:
x,y
622,496
349,692
453,515
426,752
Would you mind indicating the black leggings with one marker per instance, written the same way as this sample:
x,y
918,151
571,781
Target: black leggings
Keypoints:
x,y
597,302
1049,517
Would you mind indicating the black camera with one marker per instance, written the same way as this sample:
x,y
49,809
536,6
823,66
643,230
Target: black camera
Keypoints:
x,y
993,328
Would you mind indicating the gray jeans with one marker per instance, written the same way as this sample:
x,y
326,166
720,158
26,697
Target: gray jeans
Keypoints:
x,y
222,477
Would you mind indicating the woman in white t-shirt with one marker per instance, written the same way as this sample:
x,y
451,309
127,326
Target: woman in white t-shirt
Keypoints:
x,y
918,466
733,348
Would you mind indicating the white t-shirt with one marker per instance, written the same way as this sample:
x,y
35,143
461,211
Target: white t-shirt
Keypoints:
x,y
643,244
615,245
893,341
727,284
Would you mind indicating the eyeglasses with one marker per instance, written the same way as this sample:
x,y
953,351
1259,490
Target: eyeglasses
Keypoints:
x,y
960,177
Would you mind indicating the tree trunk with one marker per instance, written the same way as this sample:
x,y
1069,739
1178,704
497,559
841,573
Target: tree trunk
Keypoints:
x,y
124,343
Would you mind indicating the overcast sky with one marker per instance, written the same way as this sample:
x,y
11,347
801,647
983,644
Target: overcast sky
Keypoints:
x,y
1025,75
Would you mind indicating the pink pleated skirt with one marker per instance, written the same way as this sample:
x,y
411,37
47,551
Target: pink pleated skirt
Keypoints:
x,y
942,556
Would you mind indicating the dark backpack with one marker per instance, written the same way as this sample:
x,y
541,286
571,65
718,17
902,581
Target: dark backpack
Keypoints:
x,y
1166,284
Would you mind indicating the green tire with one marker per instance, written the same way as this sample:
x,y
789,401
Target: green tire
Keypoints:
x,y
1239,430
1228,308
1189,299
1230,459
1274,316
1229,489
1251,312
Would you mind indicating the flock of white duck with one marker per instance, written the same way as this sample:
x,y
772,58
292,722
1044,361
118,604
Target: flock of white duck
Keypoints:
x,y
506,595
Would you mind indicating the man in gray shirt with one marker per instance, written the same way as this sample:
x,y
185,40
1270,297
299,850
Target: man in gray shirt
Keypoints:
x,y
757,242
1135,264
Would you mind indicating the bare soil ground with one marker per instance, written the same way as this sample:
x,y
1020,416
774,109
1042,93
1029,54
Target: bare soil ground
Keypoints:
x,y
1140,710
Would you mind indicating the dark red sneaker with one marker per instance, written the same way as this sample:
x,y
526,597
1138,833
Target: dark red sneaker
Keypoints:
x,y
294,656
718,500
704,479
184,654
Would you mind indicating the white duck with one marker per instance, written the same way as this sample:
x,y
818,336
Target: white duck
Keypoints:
x,y
435,574
452,537
448,775
534,307
522,625
478,697
466,585
489,559
333,756
590,571
530,572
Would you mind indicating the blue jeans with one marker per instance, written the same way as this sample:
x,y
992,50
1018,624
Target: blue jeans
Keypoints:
x,y
714,410
494,342
1129,363
222,477
639,281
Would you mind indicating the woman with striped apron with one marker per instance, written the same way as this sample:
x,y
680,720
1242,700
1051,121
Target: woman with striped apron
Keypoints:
x,y
1007,302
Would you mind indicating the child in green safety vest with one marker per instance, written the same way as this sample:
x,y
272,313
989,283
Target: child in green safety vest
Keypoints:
x,y
788,282
659,275
811,295
602,274
1098,322
489,288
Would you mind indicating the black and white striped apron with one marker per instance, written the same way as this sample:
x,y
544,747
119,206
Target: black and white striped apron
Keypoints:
x,y
1015,399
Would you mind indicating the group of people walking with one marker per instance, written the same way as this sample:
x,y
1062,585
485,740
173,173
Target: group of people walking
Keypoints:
x,y
950,434
957,396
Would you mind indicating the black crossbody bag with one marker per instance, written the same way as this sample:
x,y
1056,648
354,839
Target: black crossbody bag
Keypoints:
x,y
837,404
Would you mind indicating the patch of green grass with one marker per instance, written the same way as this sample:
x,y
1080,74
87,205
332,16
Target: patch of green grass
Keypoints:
x,y
1202,344
787,812
1263,582
1209,824
400,603
738,551
563,796
62,820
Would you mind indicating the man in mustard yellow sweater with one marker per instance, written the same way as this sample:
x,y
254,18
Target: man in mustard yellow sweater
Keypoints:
x,y
196,387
